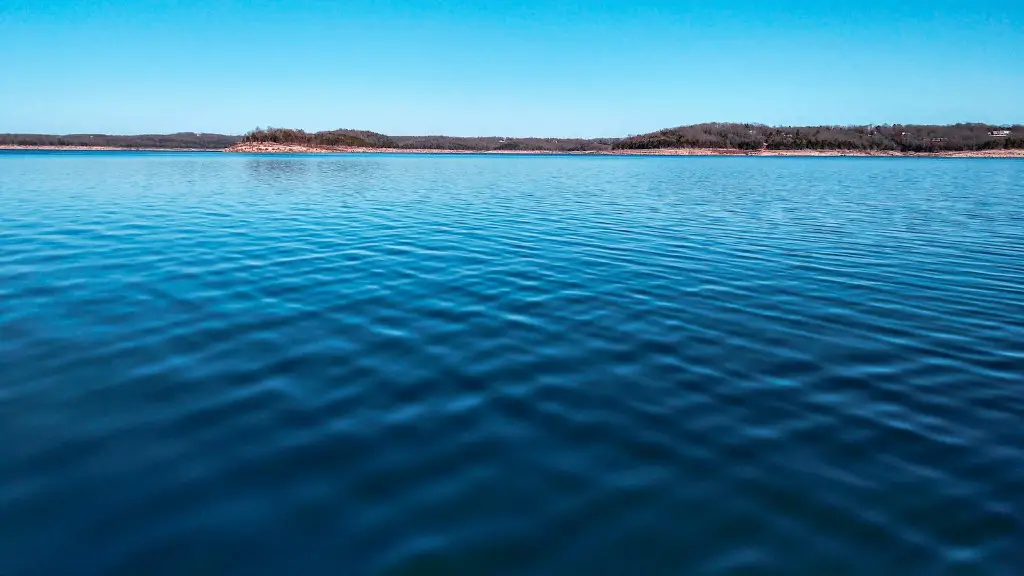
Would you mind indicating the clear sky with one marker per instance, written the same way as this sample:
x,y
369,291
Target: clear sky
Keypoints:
x,y
494,67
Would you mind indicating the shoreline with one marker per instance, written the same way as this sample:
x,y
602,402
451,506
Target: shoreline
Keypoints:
x,y
273,148
104,148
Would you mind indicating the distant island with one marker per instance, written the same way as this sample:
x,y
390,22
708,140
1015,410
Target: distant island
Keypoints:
x,y
969,139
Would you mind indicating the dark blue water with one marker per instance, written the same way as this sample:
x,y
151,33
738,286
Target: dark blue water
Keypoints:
x,y
230,364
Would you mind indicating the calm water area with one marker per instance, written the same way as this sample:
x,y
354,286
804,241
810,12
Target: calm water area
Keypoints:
x,y
404,364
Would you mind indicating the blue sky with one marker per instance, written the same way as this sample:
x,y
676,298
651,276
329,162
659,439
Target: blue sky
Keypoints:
x,y
529,67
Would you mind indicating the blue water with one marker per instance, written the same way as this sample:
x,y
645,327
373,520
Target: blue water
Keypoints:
x,y
374,364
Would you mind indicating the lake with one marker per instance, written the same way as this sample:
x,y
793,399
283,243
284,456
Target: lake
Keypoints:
x,y
403,364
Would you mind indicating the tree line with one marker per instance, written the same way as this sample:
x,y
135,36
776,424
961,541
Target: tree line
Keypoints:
x,y
366,139
891,137
327,138
497,143
179,140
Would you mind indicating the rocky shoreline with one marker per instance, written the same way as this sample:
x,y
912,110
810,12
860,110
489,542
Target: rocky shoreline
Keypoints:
x,y
274,148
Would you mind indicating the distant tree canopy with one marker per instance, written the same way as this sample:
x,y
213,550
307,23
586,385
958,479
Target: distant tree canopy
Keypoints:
x,y
360,138
484,143
894,137
179,140
367,139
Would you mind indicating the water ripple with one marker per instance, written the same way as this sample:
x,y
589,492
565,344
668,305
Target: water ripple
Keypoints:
x,y
475,365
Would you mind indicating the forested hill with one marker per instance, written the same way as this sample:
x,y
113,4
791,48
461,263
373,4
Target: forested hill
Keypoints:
x,y
897,138
179,140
